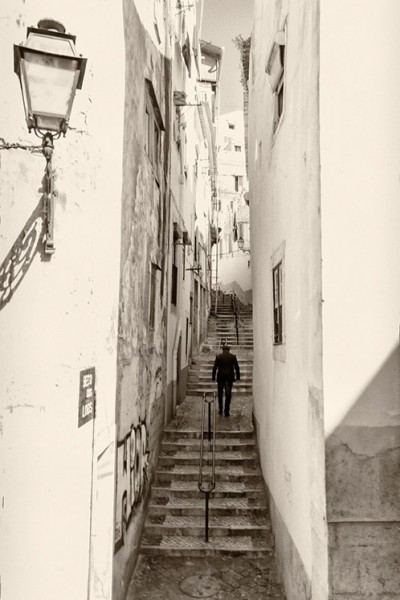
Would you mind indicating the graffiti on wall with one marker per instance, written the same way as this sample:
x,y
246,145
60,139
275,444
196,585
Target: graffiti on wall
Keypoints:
x,y
132,478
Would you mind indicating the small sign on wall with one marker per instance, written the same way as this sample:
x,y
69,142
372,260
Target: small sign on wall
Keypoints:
x,y
87,396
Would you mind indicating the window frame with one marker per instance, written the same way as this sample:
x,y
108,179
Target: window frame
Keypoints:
x,y
238,182
174,278
153,128
153,296
277,303
276,70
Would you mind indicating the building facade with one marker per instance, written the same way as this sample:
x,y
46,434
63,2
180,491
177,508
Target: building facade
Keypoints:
x,y
234,266
325,251
115,314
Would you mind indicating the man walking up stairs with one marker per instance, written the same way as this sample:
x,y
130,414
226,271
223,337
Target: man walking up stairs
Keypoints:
x,y
237,562
225,368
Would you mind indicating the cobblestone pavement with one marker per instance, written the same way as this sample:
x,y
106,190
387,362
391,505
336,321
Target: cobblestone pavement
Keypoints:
x,y
218,578
189,414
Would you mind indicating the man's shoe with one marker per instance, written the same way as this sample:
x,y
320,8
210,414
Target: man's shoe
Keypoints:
x,y
227,415
220,412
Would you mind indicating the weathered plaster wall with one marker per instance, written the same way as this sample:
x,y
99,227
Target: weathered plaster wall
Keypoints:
x,y
285,224
59,318
360,145
141,348
187,145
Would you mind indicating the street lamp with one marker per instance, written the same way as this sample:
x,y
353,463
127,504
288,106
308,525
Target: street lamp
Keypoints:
x,y
50,72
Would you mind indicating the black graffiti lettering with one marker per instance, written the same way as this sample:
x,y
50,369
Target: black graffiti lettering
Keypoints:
x,y
132,466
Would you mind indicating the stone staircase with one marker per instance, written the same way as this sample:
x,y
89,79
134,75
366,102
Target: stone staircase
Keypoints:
x,y
238,523
222,329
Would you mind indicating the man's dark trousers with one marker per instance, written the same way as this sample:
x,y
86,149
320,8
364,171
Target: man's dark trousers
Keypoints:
x,y
227,386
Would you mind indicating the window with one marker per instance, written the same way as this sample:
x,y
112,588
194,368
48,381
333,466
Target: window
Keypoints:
x,y
279,95
153,126
153,295
276,71
174,281
147,131
231,125
238,148
277,296
238,182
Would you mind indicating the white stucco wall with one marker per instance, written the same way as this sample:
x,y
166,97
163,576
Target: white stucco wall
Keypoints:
x,y
284,209
61,319
360,148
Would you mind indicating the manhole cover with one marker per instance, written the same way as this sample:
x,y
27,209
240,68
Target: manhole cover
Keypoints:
x,y
200,586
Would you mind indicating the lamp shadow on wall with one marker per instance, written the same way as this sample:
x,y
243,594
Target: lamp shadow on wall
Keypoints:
x,y
29,243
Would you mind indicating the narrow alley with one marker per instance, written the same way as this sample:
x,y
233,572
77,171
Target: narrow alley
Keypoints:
x,y
238,561
176,177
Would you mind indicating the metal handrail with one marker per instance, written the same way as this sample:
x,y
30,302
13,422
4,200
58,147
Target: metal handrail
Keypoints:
x,y
207,487
235,307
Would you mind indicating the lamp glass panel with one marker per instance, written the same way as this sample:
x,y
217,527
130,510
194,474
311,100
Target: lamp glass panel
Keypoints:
x,y
48,123
50,82
46,43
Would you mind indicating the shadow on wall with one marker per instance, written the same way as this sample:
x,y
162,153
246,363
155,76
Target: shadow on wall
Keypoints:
x,y
19,259
245,297
363,491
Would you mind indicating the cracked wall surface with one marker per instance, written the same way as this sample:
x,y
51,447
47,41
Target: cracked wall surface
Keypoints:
x,y
141,351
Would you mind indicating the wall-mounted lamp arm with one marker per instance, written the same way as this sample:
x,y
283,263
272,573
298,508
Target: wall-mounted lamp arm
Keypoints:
x,y
47,149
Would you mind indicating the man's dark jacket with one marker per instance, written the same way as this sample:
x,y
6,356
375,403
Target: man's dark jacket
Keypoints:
x,y
226,364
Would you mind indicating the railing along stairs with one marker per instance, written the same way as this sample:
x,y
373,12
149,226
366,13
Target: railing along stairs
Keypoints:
x,y
207,486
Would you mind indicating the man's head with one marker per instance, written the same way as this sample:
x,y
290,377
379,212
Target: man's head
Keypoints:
x,y
226,348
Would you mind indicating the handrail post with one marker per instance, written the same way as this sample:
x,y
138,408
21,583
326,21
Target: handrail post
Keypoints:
x,y
209,421
207,509
207,489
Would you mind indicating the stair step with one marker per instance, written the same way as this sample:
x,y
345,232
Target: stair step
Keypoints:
x,y
200,392
208,361
229,490
194,434
220,445
204,386
190,473
206,378
188,458
218,526
191,546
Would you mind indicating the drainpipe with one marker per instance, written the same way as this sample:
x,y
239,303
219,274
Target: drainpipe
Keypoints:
x,y
174,364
